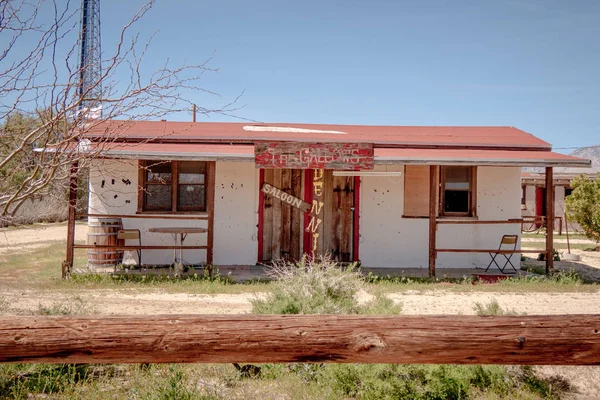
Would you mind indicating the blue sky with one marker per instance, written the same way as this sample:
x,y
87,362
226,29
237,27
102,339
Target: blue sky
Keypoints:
x,y
533,64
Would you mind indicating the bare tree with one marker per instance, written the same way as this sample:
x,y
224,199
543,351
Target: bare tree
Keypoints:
x,y
39,79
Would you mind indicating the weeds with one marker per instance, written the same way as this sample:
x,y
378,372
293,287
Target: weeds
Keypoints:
x,y
558,277
405,280
153,276
75,306
392,381
18,381
174,387
492,308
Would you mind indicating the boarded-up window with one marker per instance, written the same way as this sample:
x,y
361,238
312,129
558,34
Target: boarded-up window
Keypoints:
x,y
416,191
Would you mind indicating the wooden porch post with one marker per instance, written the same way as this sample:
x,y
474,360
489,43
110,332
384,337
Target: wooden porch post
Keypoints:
x,y
432,220
210,208
68,264
549,220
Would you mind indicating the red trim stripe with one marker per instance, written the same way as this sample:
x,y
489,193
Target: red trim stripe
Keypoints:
x,y
261,217
356,226
308,197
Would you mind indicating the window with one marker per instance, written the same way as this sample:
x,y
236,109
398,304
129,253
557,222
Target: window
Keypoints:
x,y
523,195
457,191
457,195
173,186
568,192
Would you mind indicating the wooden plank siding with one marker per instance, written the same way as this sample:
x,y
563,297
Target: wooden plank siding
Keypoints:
x,y
282,223
296,216
338,217
267,218
416,191
286,215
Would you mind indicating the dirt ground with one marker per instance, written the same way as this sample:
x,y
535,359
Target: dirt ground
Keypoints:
x,y
37,236
433,302
128,301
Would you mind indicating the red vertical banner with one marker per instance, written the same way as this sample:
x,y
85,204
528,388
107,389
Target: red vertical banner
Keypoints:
x,y
308,197
316,210
261,212
356,216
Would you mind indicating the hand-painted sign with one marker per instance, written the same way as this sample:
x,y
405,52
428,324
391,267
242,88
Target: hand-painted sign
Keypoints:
x,y
316,210
284,197
340,156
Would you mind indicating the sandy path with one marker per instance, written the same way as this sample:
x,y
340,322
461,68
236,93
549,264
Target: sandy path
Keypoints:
x,y
37,236
441,302
558,240
427,303
113,302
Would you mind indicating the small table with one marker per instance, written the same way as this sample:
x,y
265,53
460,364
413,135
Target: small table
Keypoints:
x,y
182,232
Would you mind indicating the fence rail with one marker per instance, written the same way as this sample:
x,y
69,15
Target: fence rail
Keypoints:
x,y
456,339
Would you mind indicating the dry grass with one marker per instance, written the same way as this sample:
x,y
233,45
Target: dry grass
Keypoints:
x,y
39,270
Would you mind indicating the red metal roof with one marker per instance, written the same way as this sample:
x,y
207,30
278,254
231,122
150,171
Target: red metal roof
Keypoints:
x,y
179,151
381,136
233,152
522,158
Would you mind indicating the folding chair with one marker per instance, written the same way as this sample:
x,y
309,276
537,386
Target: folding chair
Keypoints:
x,y
507,240
125,234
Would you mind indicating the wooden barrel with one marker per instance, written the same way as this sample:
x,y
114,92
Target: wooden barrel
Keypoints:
x,y
103,232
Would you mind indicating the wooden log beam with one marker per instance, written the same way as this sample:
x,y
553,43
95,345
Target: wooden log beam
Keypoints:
x,y
451,339
147,215
550,220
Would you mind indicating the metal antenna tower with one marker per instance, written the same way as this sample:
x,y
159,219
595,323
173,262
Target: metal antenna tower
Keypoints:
x,y
90,61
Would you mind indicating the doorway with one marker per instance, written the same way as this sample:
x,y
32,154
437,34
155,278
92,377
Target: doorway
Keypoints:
x,y
283,231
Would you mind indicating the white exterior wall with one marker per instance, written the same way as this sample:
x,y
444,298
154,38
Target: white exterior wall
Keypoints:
x,y
236,215
388,240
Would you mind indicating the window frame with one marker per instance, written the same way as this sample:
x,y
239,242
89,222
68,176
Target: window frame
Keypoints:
x,y
209,168
472,193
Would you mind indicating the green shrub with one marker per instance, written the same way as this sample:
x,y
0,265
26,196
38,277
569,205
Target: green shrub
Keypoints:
x,y
492,308
311,287
582,205
318,287
381,304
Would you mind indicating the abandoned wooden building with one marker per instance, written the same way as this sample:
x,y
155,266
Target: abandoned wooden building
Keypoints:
x,y
245,193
